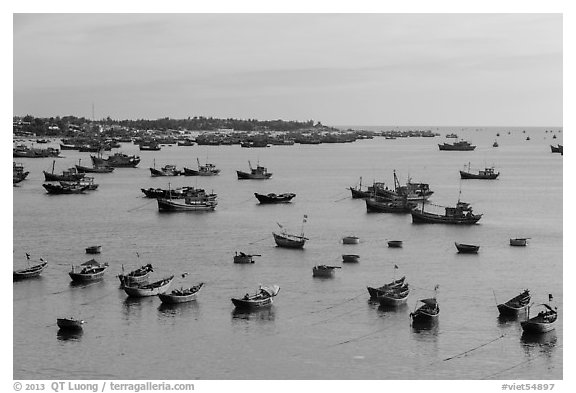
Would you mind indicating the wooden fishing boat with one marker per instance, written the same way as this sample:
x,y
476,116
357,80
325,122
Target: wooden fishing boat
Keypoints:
x,y
189,204
410,192
69,323
519,241
460,215
350,258
94,169
273,198
31,271
350,240
71,174
149,146
377,205
152,289
18,173
262,298
88,271
375,292
428,312
395,243
324,270
541,323
177,193
87,182
517,305
181,295
118,160
94,250
60,189
31,152
258,173
135,277
457,146
288,240
394,297
486,174
166,170
358,193
467,248
203,170
244,258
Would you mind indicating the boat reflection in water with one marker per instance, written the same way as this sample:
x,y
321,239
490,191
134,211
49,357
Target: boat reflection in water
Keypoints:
x,y
254,314
173,310
66,335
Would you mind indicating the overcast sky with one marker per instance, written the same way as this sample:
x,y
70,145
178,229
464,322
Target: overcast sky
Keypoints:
x,y
341,69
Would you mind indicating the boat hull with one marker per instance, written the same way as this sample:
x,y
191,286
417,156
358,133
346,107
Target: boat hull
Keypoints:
x,y
243,259
53,177
85,169
172,206
419,217
33,271
537,327
467,248
350,258
323,272
251,304
518,242
395,244
83,277
391,301
69,324
373,206
152,289
285,242
173,298
254,176
468,175
509,311
350,240
423,317
282,198
94,250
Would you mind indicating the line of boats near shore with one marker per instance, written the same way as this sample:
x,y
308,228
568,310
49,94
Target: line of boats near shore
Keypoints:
x,y
390,296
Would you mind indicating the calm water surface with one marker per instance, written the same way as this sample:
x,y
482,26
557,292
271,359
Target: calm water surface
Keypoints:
x,y
317,328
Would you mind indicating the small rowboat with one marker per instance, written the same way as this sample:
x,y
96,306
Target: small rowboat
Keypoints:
x,y
181,295
261,299
516,305
467,248
350,258
375,292
519,241
151,289
541,323
69,323
395,243
394,297
351,240
33,271
88,271
428,312
274,198
137,276
94,250
324,270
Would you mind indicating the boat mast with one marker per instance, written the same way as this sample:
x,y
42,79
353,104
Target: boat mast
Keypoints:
x,y
53,163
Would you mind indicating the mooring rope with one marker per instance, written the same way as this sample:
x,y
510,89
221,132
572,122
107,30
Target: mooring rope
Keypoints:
x,y
473,349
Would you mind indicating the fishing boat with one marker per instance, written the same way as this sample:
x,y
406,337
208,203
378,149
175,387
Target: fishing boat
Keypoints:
x,y
460,215
394,297
378,205
287,240
543,322
18,173
358,193
395,243
118,160
555,149
94,250
350,257
466,248
519,241
455,136
457,146
261,298
88,271
375,292
152,289
60,189
149,146
68,175
259,173
177,193
181,295
486,174
69,323
350,240
324,270
31,152
402,194
30,271
274,198
427,312
517,305
95,169
203,170
87,182
244,258
135,277
166,170
190,204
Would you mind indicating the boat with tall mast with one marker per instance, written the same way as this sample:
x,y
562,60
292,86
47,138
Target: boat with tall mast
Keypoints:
x,y
287,240
203,170
486,174
258,173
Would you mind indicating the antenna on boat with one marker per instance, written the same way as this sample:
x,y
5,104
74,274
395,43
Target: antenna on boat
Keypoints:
x,y
303,221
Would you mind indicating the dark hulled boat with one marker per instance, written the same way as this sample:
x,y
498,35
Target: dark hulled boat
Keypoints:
x,y
394,297
71,174
460,215
181,295
486,174
457,146
60,189
137,276
274,198
94,169
88,271
167,170
426,313
69,323
287,240
203,170
543,322
375,292
258,173
378,205
31,271
262,298
517,305
152,289
466,248
117,160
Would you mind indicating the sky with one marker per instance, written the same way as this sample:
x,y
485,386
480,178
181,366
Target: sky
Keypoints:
x,y
341,69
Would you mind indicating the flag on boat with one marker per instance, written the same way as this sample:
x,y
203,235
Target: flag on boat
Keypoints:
x,y
281,227
138,255
27,256
395,266
436,287
550,297
305,217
